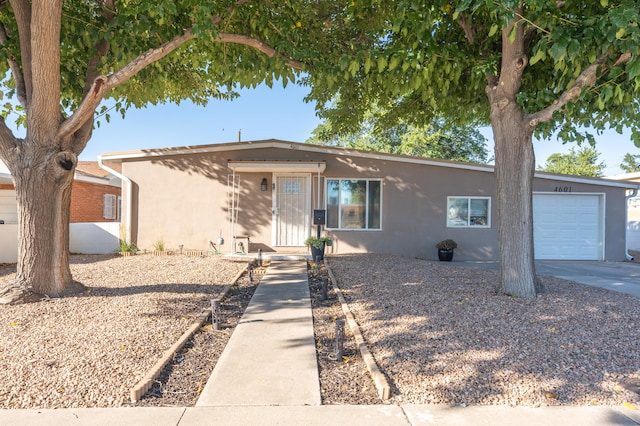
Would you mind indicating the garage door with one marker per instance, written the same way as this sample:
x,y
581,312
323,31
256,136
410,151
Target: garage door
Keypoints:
x,y
568,226
8,206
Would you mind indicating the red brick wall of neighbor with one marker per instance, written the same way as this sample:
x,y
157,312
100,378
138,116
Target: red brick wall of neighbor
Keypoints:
x,y
6,186
87,201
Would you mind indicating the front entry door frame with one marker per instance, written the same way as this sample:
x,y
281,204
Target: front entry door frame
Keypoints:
x,y
291,209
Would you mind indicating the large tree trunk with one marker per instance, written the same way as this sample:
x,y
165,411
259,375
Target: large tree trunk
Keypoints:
x,y
515,166
43,180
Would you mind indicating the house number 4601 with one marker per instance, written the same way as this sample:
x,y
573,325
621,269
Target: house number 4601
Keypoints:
x,y
562,189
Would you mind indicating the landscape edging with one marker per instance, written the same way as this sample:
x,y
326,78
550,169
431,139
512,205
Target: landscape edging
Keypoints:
x,y
379,379
146,382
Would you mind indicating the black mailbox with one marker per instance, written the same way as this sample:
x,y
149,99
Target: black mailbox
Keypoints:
x,y
319,217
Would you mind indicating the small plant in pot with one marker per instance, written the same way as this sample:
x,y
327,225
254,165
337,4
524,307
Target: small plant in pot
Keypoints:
x,y
317,246
445,249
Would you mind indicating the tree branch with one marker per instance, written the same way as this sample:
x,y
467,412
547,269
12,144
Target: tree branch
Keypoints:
x,y
21,91
8,142
258,45
22,12
102,84
586,78
46,21
469,30
83,134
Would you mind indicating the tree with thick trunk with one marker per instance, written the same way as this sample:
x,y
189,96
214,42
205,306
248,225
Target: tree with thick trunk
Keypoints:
x,y
545,68
65,58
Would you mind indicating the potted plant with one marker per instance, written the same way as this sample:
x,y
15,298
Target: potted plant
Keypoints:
x,y
445,249
317,246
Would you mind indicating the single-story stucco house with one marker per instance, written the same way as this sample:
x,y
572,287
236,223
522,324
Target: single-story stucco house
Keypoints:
x,y
268,190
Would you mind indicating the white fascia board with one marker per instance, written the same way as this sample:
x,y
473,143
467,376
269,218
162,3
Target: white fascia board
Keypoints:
x,y
587,180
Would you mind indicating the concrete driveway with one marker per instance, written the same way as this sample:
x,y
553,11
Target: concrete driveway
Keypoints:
x,y
617,276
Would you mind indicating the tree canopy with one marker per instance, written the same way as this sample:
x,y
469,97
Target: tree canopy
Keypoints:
x,y
435,57
582,162
630,163
435,140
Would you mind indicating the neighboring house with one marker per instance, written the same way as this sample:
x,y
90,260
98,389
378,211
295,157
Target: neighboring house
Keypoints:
x,y
633,211
95,195
94,215
267,190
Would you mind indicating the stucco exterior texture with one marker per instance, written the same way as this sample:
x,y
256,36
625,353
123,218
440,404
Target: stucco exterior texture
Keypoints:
x,y
184,198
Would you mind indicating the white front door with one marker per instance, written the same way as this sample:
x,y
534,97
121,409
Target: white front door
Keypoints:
x,y
291,209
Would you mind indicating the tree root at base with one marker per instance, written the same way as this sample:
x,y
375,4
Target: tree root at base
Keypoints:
x,y
15,293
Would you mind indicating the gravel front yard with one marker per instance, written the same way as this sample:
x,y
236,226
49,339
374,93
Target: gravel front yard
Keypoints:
x,y
443,336
437,330
90,349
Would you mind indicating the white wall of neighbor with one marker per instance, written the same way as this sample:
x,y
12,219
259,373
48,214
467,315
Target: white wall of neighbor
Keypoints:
x,y
9,243
84,238
94,238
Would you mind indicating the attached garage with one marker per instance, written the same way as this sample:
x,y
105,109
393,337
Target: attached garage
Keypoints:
x,y
568,226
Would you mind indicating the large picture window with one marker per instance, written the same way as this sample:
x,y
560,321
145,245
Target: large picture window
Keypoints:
x,y
353,204
468,212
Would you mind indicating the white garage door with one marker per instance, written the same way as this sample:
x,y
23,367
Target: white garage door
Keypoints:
x,y
8,206
568,226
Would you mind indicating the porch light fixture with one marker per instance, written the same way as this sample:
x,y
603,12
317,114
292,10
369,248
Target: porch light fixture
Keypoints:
x,y
263,184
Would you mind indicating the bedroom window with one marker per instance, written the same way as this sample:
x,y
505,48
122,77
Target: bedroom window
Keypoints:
x,y
354,204
468,212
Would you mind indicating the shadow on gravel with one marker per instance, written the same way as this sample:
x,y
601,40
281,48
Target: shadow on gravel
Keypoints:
x,y
442,335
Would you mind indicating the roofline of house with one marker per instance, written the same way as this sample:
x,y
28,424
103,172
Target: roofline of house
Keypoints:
x,y
635,175
275,143
91,179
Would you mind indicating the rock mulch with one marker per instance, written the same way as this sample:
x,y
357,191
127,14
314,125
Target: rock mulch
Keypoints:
x,y
437,330
346,380
90,349
442,335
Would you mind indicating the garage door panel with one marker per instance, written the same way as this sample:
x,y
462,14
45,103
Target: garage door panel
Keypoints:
x,y
568,226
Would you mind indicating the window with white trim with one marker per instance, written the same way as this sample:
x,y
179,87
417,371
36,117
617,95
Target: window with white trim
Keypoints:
x,y
109,206
354,204
468,212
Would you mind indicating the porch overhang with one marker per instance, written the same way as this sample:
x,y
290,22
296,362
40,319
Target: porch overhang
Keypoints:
x,y
283,166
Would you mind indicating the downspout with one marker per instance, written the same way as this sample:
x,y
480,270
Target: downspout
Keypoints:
x,y
127,181
626,223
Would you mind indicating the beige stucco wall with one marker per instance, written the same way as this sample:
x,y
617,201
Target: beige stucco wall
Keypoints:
x,y
183,200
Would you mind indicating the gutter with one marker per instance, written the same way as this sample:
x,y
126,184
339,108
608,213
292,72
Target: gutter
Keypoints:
x,y
128,187
626,222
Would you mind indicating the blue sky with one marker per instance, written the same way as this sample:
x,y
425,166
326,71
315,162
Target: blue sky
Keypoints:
x,y
265,113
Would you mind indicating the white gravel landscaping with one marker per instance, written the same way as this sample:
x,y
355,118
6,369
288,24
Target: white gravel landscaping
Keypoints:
x,y
438,331
88,350
443,336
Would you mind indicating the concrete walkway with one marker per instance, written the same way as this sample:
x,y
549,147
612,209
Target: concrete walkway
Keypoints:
x,y
267,375
271,357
